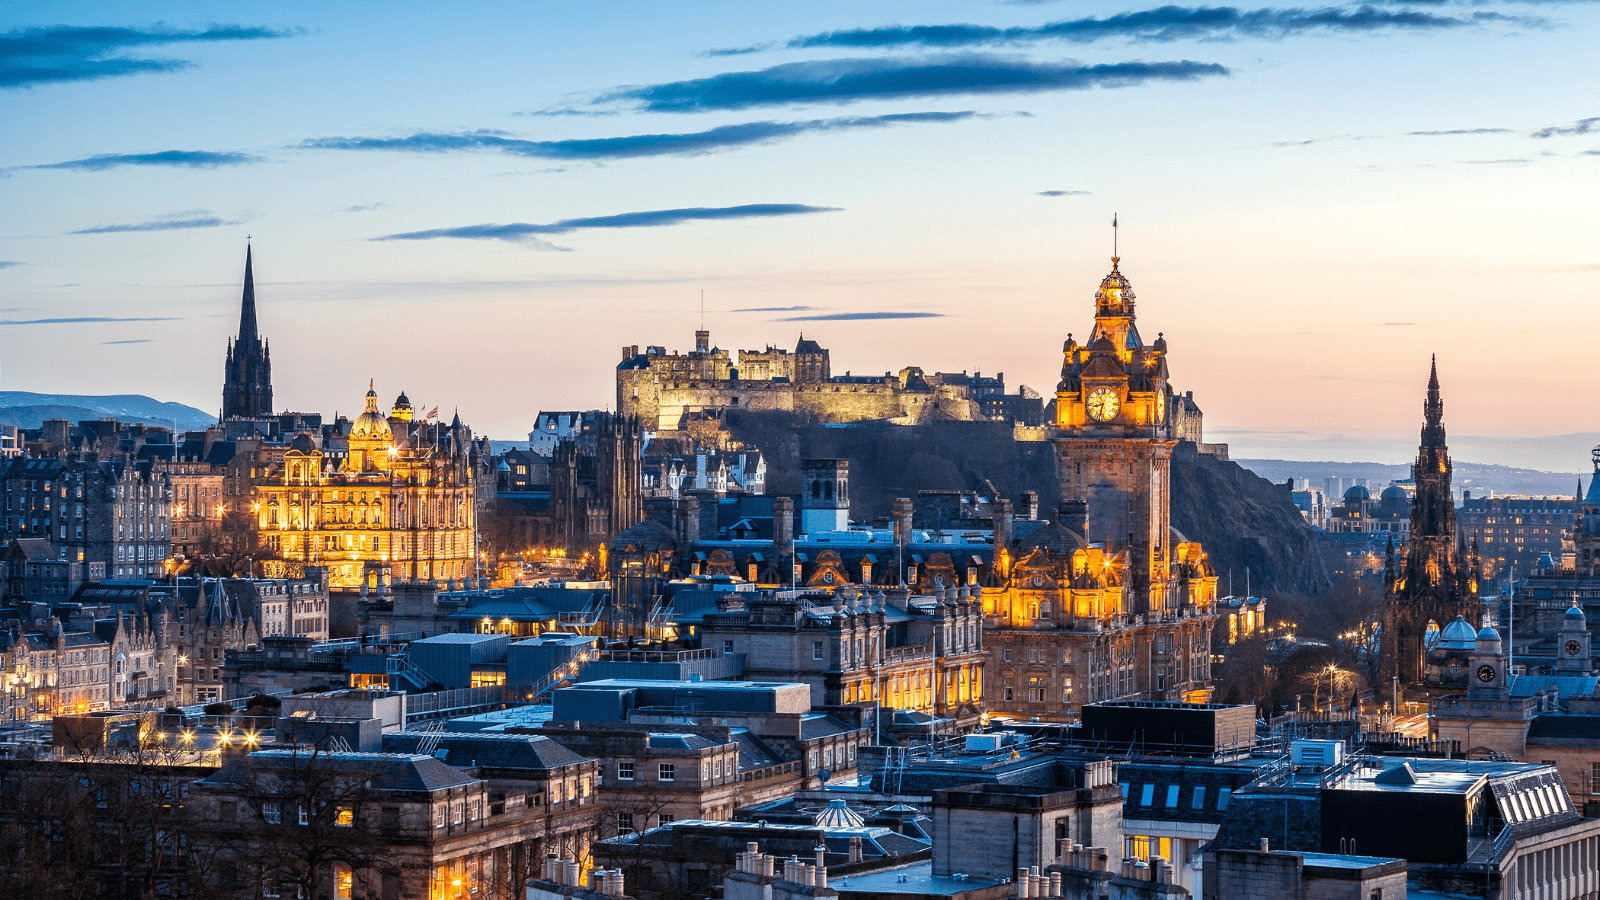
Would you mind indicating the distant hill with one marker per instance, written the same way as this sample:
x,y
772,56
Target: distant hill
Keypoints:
x,y
28,410
1479,478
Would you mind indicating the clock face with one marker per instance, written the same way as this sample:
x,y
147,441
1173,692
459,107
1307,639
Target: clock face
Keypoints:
x,y
1103,404
1038,580
1573,648
1486,674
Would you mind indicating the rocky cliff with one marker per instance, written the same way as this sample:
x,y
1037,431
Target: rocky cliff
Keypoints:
x,y
1242,520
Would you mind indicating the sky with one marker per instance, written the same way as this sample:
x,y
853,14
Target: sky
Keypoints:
x,y
481,205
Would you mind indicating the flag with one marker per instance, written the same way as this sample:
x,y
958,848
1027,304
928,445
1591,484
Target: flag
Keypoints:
x,y
432,413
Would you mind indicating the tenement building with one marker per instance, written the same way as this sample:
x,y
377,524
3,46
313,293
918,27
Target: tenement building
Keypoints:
x,y
1435,578
663,389
1110,601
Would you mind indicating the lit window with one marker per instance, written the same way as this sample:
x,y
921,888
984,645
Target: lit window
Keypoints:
x,y
345,818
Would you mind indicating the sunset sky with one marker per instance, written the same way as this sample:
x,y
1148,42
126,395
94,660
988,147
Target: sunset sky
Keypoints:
x,y
481,204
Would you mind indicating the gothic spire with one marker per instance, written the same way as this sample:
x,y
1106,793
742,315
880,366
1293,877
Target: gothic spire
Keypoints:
x,y
247,310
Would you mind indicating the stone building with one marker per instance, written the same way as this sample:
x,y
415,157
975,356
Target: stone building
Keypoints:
x,y
380,494
1435,578
1109,601
595,489
400,825
198,472
664,389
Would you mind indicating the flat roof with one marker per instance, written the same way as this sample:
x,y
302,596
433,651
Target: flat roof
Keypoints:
x,y
1342,861
605,683
917,878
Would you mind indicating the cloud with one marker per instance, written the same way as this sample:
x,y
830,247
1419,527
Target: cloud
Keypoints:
x,y
8,263
631,146
1323,140
1459,131
523,232
194,159
174,222
750,309
863,316
1166,23
30,56
138,341
367,208
1582,126
850,80
85,319
1063,193
739,51
1497,162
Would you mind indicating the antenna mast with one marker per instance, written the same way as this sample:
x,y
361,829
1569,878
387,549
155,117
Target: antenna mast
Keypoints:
x,y
1113,234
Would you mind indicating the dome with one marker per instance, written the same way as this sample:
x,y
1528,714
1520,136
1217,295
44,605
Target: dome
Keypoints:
x,y
1358,493
1489,634
1394,492
402,408
371,425
1115,296
838,815
1458,635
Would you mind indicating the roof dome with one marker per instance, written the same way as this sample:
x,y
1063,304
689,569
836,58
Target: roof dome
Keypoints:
x,y
1057,539
1358,493
1115,296
838,815
371,425
1394,492
1489,634
1458,635
1574,614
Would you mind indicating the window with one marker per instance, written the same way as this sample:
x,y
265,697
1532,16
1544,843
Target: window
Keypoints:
x,y
473,809
345,817
727,648
272,812
1222,798
705,771
668,772
456,809
667,820
625,771
343,882
1006,654
304,814
1147,796
1199,797
624,822
816,651
1172,796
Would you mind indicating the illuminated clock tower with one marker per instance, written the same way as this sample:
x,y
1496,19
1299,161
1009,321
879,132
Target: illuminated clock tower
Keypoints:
x,y
1115,440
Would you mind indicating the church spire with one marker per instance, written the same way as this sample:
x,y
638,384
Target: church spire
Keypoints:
x,y
247,311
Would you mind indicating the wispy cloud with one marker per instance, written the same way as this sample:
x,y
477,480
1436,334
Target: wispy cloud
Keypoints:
x,y
750,309
137,341
369,207
1324,140
1459,131
1582,126
724,137
8,263
850,80
1497,162
1166,23
174,222
79,320
1063,193
863,316
524,232
739,51
193,159
30,56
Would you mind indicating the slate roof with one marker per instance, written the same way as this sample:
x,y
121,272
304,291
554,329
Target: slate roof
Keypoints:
x,y
490,751
388,771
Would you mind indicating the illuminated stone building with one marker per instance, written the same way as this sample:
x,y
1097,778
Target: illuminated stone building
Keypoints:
x,y
383,496
1434,579
1109,601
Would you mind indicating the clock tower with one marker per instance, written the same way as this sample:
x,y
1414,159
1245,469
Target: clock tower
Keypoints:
x,y
1572,643
1486,668
1115,440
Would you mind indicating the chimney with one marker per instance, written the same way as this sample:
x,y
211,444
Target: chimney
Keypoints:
x,y
783,537
1075,515
1030,505
625,354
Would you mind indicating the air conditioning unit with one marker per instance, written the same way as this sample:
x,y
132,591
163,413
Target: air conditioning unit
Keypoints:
x,y
1319,754
984,743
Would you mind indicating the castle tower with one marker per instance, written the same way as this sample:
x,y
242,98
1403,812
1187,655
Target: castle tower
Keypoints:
x,y
247,376
1433,582
1586,525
